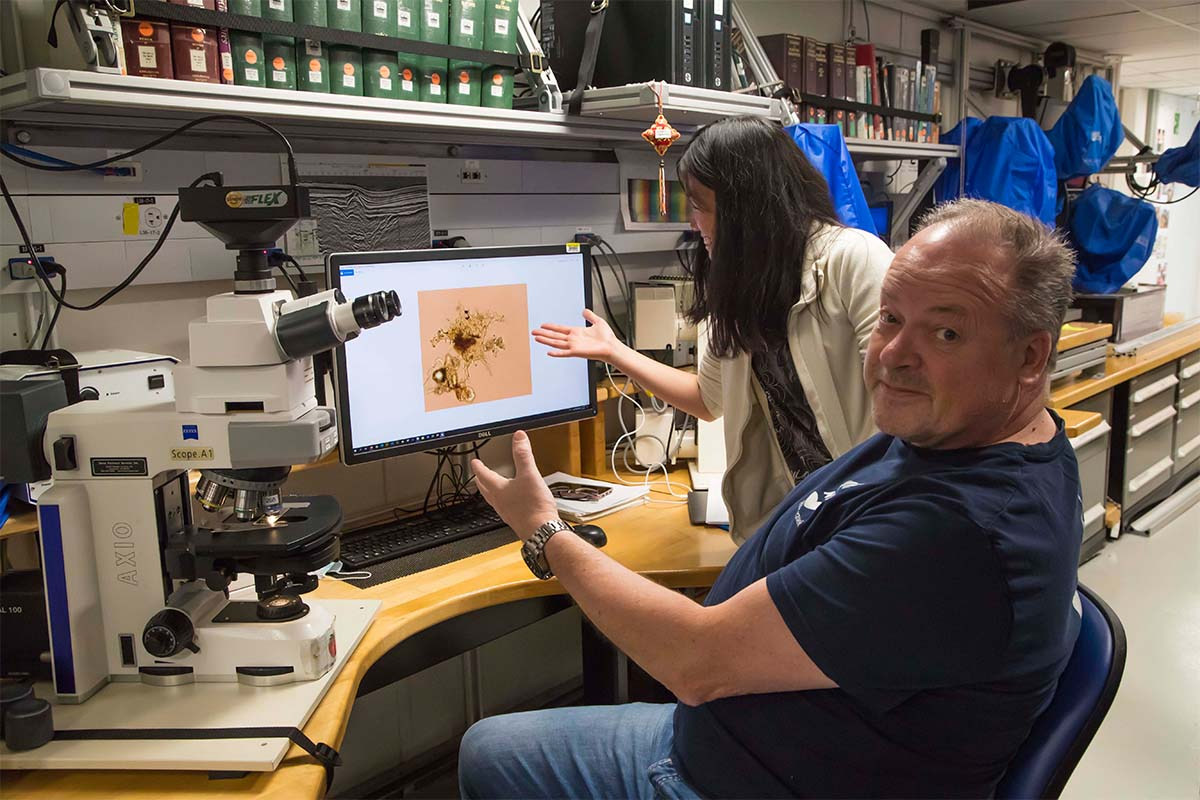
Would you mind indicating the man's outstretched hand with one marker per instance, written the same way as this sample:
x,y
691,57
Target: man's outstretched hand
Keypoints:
x,y
524,501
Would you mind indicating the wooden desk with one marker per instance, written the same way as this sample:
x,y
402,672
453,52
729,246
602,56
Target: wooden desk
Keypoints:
x,y
1077,422
1119,369
655,540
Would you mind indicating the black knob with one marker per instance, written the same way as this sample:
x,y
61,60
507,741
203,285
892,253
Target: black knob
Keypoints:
x,y
28,724
281,607
167,633
89,393
11,693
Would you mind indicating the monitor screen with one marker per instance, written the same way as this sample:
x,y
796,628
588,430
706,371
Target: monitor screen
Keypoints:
x,y
459,363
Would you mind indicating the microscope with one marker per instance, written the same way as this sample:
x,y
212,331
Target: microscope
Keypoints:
x,y
137,582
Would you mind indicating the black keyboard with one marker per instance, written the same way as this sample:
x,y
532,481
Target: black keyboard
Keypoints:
x,y
390,540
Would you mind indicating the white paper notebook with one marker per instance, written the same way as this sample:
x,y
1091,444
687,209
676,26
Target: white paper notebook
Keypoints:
x,y
619,496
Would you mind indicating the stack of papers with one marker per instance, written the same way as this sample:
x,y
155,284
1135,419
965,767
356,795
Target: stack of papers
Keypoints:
x,y
618,497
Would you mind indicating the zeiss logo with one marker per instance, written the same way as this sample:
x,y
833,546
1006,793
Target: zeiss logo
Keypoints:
x,y
191,432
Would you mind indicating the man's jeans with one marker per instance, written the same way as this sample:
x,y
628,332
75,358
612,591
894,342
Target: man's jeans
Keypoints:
x,y
598,751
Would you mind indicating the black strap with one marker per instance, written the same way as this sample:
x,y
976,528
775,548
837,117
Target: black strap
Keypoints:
x,y
322,753
591,49
52,35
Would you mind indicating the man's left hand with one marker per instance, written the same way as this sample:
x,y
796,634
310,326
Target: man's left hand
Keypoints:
x,y
524,502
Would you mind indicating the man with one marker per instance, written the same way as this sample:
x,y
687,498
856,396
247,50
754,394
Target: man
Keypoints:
x,y
901,620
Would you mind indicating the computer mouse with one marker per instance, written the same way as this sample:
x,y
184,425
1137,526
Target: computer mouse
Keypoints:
x,y
592,534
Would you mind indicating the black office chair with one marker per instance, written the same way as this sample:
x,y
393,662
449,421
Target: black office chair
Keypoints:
x,y
1085,692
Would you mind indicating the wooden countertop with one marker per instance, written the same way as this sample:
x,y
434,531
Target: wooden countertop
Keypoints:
x,y
1119,369
1077,334
655,540
1077,422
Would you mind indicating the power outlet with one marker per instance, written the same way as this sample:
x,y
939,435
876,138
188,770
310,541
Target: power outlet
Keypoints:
x,y
472,172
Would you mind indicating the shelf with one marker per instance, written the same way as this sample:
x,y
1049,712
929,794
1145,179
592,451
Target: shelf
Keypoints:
x,y
875,149
65,107
821,101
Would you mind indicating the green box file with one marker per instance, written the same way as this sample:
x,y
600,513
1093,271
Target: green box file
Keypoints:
x,y
280,54
311,12
312,66
435,21
247,8
496,87
379,17
466,23
500,26
408,85
408,19
345,15
248,59
464,83
277,9
433,80
380,74
345,70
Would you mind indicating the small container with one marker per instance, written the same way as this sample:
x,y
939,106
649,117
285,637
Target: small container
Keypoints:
x,y
379,17
380,74
147,48
464,83
466,23
311,12
312,66
345,70
408,19
247,8
279,60
280,10
248,61
433,80
408,70
500,26
345,15
194,54
496,87
435,22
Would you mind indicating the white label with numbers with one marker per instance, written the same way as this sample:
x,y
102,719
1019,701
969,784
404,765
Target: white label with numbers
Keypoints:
x,y
497,91
467,27
348,81
199,62
252,74
405,18
464,88
343,5
406,86
147,57
433,19
385,84
275,5
314,77
435,89
279,75
502,27
380,9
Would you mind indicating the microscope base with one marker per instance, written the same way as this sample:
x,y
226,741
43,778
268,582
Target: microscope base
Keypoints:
x,y
131,705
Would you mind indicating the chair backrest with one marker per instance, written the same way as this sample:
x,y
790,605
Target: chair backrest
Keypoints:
x,y
1085,692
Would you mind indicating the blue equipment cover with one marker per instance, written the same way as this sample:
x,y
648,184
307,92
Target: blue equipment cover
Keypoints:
x,y
1181,164
1089,132
826,150
1113,235
1009,161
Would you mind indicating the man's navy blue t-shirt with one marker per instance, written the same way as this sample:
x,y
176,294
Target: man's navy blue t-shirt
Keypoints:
x,y
937,589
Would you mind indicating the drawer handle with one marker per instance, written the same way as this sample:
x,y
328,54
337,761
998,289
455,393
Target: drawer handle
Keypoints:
x,y
1187,402
1190,372
1158,387
1182,451
1159,467
1087,437
1152,422
1092,513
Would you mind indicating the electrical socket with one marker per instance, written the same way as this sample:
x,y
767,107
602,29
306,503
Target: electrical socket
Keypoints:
x,y
472,172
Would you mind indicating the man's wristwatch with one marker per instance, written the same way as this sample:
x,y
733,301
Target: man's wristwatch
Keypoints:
x,y
534,549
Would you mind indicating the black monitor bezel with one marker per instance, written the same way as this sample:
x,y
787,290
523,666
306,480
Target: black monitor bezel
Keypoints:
x,y
333,264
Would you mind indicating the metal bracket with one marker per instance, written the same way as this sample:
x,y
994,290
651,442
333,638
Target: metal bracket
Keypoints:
x,y
924,182
541,76
765,76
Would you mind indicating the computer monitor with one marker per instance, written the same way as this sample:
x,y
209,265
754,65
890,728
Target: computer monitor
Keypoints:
x,y
459,363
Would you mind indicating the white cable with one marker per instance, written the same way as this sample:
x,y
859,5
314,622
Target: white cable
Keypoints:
x,y
37,331
629,438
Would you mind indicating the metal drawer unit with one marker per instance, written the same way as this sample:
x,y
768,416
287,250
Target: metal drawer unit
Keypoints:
x,y
1187,418
1091,451
1147,438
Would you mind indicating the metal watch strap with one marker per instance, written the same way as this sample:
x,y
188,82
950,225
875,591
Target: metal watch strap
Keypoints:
x,y
534,550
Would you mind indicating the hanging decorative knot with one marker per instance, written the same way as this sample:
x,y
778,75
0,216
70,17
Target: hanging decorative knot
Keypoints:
x,y
661,136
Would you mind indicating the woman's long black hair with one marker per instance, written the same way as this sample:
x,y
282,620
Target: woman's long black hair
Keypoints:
x,y
768,196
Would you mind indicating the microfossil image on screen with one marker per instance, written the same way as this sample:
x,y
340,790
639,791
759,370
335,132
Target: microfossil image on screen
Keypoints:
x,y
474,345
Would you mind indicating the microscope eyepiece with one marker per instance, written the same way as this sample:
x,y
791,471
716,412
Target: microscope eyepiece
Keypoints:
x,y
376,308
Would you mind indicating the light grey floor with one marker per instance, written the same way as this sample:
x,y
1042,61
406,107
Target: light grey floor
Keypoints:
x,y
1149,744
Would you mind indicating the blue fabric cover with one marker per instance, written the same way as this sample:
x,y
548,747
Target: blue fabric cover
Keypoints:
x,y
1113,235
1089,132
1056,730
1009,161
826,150
1181,164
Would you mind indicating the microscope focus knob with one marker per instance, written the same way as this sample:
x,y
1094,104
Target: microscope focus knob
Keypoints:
x,y
169,632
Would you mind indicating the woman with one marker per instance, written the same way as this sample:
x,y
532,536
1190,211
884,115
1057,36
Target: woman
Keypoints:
x,y
789,296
